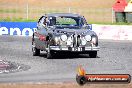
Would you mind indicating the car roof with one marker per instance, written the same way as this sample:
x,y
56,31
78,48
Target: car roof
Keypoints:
x,y
63,14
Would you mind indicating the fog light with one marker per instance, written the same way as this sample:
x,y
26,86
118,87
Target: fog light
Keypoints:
x,y
69,41
83,42
57,40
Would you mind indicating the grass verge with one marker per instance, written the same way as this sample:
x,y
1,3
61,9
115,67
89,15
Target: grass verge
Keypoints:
x,y
35,20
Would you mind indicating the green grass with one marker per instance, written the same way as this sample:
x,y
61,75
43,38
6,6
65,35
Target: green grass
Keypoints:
x,y
17,20
108,23
35,20
9,11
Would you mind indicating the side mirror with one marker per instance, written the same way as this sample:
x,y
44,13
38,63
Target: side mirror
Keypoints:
x,y
89,26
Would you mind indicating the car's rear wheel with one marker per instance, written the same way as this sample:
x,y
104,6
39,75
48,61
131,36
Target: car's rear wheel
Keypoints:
x,y
93,54
36,52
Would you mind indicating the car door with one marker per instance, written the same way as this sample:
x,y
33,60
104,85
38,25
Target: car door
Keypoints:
x,y
40,34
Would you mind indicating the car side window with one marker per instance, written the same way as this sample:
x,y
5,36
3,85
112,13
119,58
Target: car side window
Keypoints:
x,y
84,20
41,23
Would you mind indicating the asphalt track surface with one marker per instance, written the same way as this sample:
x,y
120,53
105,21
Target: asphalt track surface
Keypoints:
x,y
114,57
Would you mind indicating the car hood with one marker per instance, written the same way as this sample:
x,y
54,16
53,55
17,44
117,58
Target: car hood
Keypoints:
x,y
74,31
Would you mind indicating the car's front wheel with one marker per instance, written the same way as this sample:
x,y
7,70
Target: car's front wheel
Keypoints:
x,y
36,52
93,54
50,54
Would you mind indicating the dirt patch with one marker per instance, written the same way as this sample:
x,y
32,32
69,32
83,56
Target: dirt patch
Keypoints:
x,y
11,67
93,10
60,3
65,85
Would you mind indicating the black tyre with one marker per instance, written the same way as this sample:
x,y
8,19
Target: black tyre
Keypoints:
x,y
50,54
93,54
36,52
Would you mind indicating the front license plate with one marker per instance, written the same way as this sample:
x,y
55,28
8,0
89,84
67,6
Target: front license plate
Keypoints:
x,y
76,49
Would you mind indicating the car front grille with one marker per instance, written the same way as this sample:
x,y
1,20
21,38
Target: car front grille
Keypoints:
x,y
76,40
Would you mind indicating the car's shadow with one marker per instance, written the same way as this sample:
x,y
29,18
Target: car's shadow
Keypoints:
x,y
67,56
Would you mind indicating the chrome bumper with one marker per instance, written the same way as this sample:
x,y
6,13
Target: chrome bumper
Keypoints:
x,y
78,49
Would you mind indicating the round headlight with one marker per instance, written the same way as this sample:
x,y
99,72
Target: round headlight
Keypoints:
x,y
88,37
63,37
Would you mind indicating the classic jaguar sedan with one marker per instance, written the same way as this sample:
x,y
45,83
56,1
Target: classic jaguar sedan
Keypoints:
x,y
64,33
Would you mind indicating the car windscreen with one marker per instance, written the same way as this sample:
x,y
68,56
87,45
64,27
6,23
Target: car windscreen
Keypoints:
x,y
66,22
